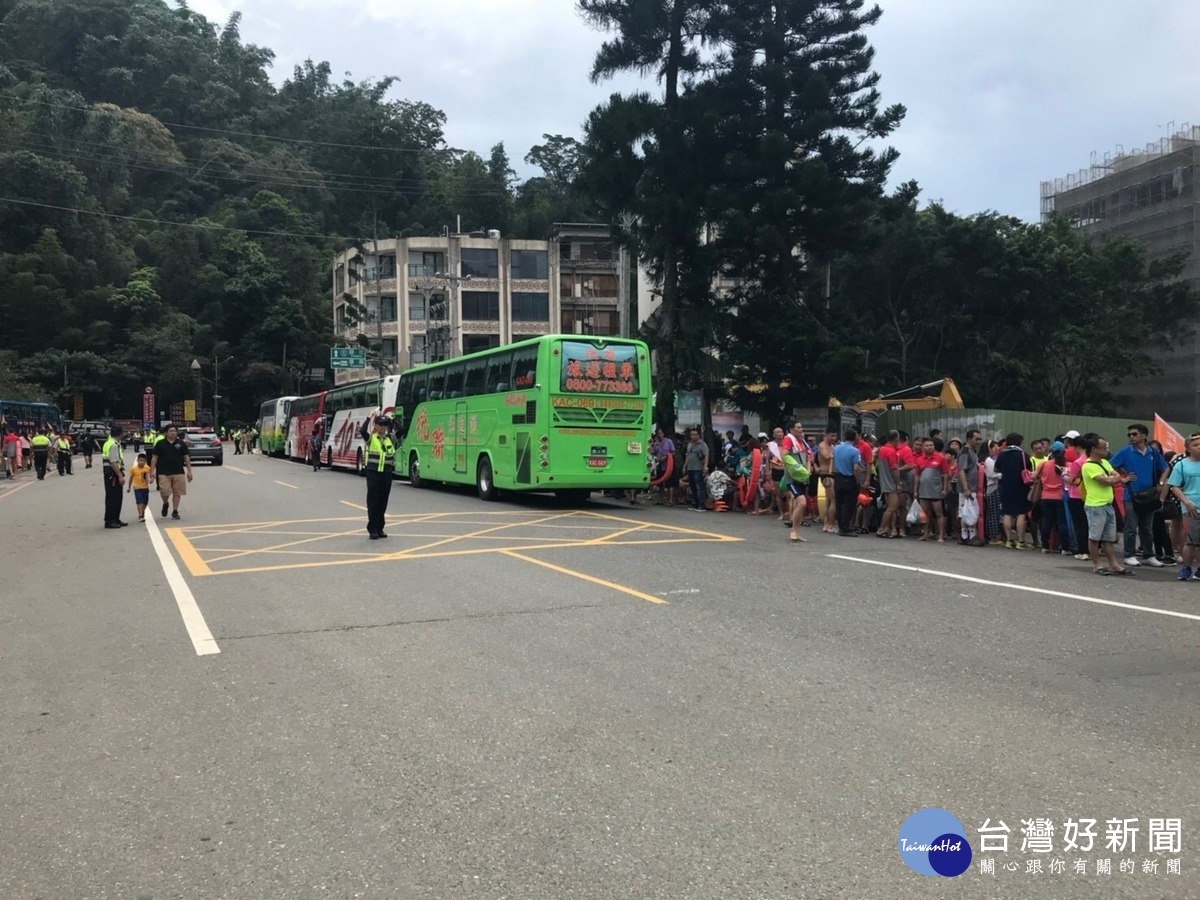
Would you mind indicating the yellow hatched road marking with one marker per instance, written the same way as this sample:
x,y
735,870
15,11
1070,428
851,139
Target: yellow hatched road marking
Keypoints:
x,y
187,552
194,539
649,598
286,485
355,505
463,537
239,471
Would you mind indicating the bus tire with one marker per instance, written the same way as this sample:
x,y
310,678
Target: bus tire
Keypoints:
x,y
414,471
329,458
485,485
359,468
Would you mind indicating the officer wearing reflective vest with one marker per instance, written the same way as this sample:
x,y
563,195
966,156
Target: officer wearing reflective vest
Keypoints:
x,y
380,459
40,444
62,454
114,478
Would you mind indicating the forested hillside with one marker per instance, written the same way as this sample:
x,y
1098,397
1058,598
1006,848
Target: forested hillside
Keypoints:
x,y
162,200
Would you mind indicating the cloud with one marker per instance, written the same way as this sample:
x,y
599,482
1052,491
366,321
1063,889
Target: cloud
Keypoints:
x,y
1001,94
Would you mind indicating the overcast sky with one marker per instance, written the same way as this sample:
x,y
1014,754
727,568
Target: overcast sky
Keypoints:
x,y
1001,94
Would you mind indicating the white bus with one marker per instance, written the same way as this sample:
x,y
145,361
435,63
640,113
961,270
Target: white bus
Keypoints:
x,y
346,408
272,425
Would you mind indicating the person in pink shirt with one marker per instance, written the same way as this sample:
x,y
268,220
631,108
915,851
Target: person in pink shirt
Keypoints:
x,y
1049,476
9,445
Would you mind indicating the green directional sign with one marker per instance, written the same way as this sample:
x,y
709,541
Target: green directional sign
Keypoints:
x,y
348,357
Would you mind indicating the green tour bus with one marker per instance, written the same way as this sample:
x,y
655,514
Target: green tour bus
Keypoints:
x,y
563,413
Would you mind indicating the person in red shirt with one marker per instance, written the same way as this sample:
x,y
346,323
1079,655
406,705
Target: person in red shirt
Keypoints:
x,y
907,477
887,468
933,477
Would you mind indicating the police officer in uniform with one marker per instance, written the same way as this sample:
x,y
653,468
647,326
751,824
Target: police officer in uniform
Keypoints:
x,y
62,454
114,478
40,445
380,459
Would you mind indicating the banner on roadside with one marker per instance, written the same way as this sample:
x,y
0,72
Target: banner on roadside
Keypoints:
x,y
1167,436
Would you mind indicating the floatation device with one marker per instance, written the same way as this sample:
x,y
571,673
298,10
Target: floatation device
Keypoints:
x,y
748,487
667,470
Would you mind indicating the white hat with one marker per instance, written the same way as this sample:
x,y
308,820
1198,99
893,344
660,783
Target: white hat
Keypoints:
x,y
1071,434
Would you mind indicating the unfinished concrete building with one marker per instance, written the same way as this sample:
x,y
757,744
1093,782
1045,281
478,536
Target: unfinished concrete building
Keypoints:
x,y
1148,195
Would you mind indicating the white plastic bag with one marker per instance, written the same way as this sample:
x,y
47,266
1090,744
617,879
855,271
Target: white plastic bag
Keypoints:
x,y
968,511
914,513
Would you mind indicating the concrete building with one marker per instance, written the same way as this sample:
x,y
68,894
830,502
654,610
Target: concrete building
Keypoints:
x,y
594,284
461,293
1148,195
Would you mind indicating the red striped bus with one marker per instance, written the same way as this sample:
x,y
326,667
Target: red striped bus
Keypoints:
x,y
304,413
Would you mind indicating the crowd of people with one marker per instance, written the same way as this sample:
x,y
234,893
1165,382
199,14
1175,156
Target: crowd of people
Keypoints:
x,y
26,448
1068,495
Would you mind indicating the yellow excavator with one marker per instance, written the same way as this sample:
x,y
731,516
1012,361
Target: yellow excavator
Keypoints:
x,y
934,395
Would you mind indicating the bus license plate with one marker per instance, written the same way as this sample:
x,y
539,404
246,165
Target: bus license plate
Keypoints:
x,y
597,462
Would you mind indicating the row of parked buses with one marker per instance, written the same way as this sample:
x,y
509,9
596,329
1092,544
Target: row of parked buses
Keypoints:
x,y
564,413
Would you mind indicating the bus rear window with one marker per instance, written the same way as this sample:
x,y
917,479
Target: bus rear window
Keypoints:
x,y
587,369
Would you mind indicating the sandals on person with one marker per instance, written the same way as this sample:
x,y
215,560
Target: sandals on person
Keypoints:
x,y
1102,571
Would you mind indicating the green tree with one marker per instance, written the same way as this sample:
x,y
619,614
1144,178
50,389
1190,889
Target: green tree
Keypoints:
x,y
642,163
793,107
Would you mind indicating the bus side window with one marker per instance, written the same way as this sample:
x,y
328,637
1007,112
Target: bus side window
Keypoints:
x,y
373,395
524,373
455,374
497,374
476,377
437,381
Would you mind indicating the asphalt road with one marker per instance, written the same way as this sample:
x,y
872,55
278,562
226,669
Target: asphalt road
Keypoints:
x,y
524,700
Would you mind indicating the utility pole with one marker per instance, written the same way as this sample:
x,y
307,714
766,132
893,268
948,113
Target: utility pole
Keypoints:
x,y
445,332
217,363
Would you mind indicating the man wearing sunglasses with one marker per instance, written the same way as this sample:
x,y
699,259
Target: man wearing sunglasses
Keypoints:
x,y
1147,467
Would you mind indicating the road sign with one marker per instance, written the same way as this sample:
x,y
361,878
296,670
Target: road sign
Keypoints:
x,y
148,405
348,357
189,410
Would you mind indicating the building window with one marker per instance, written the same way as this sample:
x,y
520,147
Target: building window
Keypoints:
x,y
473,343
339,279
576,320
530,264
529,306
418,352
422,263
416,307
387,350
380,267
480,263
389,309
481,306
597,251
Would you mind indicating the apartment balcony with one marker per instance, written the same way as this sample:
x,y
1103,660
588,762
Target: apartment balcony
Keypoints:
x,y
372,329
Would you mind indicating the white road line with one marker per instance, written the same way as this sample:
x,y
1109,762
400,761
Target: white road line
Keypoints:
x,y
285,484
193,619
1019,587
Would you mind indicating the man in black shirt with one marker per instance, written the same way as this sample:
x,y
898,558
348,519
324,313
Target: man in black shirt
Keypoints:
x,y
168,460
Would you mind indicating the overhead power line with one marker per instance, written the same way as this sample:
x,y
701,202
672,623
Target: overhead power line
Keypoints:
x,y
198,225
312,179
246,134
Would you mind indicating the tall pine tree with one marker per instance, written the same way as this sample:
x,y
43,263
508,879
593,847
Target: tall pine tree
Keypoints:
x,y
795,105
640,158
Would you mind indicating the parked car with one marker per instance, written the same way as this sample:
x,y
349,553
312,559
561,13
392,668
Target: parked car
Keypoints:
x,y
204,445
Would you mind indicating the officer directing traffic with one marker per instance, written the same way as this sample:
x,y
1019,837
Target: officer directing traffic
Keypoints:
x,y
114,478
381,455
